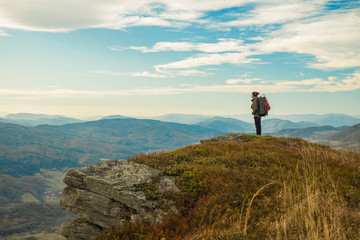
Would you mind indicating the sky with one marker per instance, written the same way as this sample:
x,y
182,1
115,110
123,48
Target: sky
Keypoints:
x,y
83,58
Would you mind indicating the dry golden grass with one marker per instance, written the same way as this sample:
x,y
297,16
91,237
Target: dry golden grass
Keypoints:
x,y
312,207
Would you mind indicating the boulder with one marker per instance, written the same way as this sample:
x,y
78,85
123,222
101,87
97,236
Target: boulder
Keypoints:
x,y
107,193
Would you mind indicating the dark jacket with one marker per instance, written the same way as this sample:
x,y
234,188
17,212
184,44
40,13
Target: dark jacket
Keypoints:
x,y
255,107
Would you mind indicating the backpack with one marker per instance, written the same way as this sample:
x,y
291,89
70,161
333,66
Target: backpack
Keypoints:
x,y
264,106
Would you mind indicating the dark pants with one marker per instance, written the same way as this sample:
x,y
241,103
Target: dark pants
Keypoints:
x,y
258,125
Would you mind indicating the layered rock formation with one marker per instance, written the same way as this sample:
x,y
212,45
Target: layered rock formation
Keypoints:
x,y
107,193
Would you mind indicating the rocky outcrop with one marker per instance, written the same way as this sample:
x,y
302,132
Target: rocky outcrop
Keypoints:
x,y
107,193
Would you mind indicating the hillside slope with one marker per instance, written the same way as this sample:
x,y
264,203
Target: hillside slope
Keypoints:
x,y
273,125
228,125
28,119
309,133
338,120
255,187
25,150
347,139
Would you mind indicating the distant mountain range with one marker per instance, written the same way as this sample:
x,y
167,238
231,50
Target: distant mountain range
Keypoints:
x,y
181,118
114,117
28,119
347,138
303,120
309,133
268,125
25,150
271,123
335,120
226,124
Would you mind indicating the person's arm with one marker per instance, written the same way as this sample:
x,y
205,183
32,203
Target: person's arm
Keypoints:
x,y
255,106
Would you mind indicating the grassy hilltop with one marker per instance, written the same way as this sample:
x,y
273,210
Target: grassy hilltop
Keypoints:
x,y
260,188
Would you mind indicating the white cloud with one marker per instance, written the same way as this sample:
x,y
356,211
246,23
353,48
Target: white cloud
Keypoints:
x,y
223,45
69,15
189,73
349,83
306,82
160,74
333,40
147,74
132,74
181,15
3,34
332,79
208,59
71,93
275,12
50,16
331,84
242,80
332,37
166,46
116,48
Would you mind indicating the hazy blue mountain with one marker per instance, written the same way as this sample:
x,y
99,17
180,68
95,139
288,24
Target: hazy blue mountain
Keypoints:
x,y
351,133
335,120
226,124
268,125
30,116
298,117
309,133
114,117
344,137
338,120
24,150
332,119
29,119
247,117
43,121
274,125
347,139
181,118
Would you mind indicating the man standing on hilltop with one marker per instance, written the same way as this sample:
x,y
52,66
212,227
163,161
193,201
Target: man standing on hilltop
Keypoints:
x,y
255,111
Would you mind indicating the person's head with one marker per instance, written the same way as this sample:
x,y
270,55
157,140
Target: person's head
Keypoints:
x,y
254,94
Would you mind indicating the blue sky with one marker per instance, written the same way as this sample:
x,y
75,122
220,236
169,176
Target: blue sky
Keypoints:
x,y
144,58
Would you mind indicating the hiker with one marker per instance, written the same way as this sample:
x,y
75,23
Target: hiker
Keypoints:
x,y
255,111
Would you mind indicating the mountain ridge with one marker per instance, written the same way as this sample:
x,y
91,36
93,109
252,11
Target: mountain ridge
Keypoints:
x,y
31,120
333,119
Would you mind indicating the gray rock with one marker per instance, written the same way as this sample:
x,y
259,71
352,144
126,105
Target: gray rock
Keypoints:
x,y
107,193
78,229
